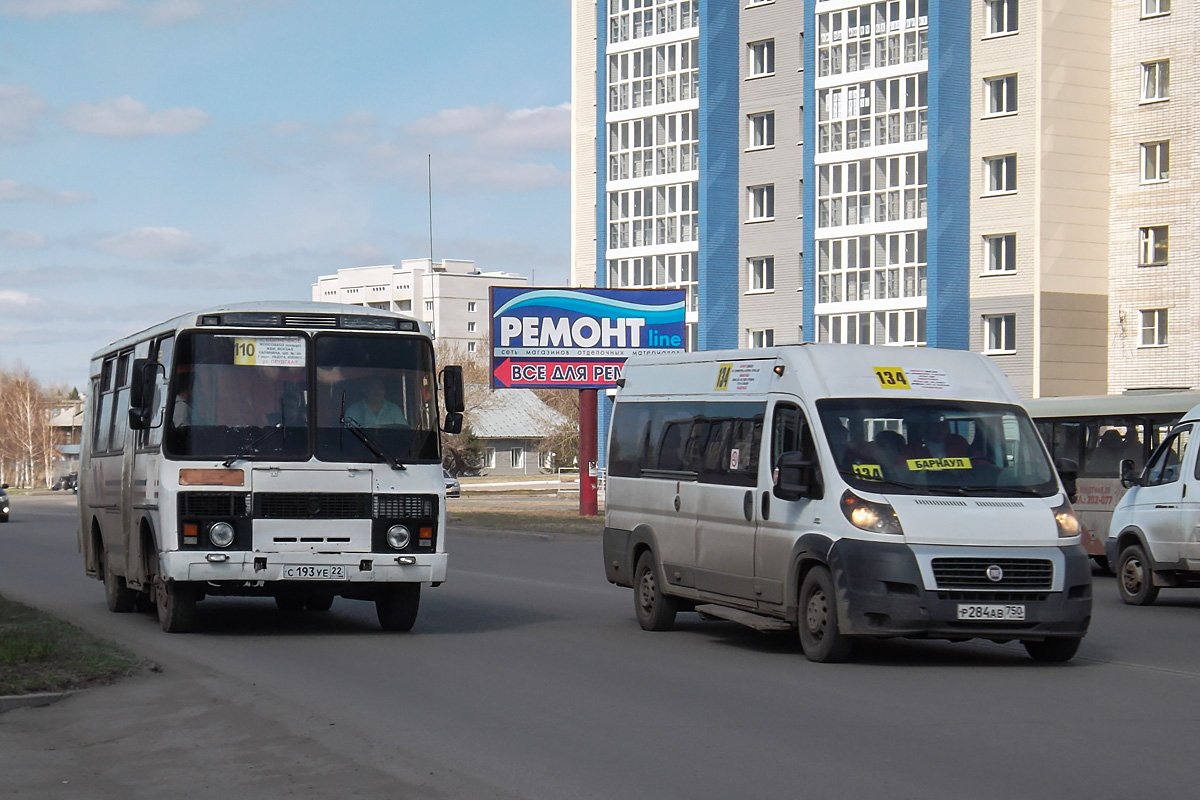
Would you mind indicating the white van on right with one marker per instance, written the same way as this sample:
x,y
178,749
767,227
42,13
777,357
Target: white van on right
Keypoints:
x,y
1154,538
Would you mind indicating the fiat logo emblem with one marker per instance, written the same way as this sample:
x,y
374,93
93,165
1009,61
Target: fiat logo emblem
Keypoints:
x,y
995,574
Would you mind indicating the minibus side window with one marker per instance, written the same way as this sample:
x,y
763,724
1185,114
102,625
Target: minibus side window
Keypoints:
x,y
790,431
1164,468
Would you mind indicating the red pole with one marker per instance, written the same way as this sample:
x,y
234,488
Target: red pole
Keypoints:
x,y
588,450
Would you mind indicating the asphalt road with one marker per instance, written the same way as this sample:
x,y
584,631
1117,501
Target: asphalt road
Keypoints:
x,y
527,676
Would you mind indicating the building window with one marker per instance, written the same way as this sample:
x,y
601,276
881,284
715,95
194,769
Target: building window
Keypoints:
x,y
1153,250
1000,173
762,129
1000,333
1155,8
1001,95
1001,16
762,202
518,457
762,274
763,338
1156,161
470,347
470,306
1156,80
1000,251
762,58
1154,327
489,457
470,327
429,305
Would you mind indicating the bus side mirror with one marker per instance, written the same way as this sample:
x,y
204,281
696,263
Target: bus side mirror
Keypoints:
x,y
452,389
797,477
453,423
141,391
1129,475
1068,472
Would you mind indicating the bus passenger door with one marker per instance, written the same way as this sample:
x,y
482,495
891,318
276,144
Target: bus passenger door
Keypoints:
x,y
780,522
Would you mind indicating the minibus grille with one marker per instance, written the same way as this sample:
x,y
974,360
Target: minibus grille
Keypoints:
x,y
994,597
212,504
310,320
278,505
972,573
405,506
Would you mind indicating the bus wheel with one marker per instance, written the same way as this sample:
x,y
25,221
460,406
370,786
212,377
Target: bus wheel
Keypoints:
x,y
396,606
289,601
655,610
820,636
117,596
1052,650
176,605
318,601
1134,581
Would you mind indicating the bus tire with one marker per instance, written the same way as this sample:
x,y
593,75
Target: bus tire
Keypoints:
x,y
655,610
1135,581
1053,650
289,601
117,595
397,605
176,602
820,636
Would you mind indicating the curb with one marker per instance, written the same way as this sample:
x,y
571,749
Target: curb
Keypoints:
x,y
9,702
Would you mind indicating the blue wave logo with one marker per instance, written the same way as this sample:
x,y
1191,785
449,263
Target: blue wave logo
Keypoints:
x,y
597,306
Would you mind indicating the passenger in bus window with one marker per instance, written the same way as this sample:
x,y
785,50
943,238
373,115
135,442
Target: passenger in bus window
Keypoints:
x,y
933,439
375,410
182,415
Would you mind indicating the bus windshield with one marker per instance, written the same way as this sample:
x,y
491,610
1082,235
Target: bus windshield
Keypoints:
x,y
258,396
922,446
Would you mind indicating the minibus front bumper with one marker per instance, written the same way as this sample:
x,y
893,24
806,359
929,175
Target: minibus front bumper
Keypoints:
x,y
882,591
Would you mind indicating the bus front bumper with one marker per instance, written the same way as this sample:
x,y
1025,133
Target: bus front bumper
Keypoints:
x,y
287,567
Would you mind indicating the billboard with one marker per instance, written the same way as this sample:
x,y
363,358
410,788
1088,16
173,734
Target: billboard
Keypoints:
x,y
579,338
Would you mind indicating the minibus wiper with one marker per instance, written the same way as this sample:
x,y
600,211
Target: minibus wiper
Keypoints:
x,y
370,444
248,448
1023,490
848,474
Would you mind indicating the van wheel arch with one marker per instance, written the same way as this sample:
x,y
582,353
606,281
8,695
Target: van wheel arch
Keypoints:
x,y
811,550
641,541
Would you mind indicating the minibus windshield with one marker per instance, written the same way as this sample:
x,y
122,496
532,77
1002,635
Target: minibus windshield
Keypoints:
x,y
925,446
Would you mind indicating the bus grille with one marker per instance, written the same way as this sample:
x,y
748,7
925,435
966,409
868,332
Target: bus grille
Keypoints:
x,y
273,505
405,506
971,573
310,320
212,504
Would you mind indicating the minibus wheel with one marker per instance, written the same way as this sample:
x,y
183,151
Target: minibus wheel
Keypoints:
x,y
396,606
1053,650
1134,580
655,610
176,602
820,635
117,596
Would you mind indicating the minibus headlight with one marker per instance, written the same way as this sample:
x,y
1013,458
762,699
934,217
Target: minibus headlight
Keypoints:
x,y
221,534
870,516
1064,517
398,537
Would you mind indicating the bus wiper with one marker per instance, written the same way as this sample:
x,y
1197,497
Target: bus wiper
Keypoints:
x,y
849,474
248,448
369,443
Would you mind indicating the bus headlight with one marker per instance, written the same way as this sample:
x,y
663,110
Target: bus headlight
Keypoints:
x,y
870,516
1064,517
221,534
398,537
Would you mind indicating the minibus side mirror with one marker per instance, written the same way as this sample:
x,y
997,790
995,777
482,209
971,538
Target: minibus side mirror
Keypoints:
x,y
1129,475
797,476
141,391
452,389
1068,472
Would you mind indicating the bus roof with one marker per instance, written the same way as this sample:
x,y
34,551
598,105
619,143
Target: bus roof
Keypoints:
x,y
1143,404
300,308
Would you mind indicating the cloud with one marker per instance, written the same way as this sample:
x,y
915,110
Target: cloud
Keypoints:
x,y
126,118
158,244
173,12
9,297
13,192
20,110
522,129
51,8
22,240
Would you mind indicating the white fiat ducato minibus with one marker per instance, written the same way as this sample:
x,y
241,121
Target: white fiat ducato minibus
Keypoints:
x,y
847,491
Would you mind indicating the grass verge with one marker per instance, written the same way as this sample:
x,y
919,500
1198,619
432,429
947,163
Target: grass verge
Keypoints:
x,y
539,521
41,653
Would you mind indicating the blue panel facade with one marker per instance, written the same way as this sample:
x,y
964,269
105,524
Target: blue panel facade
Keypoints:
x,y
949,288
717,271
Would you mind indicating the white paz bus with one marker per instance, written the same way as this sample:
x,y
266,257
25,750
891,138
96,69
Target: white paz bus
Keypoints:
x,y
268,449
846,492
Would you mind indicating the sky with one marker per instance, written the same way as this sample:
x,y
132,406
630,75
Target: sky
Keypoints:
x,y
162,156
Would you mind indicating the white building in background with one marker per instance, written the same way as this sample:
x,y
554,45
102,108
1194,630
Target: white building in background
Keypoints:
x,y
451,295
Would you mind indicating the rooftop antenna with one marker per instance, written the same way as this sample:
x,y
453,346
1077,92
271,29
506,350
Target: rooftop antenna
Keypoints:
x,y
429,177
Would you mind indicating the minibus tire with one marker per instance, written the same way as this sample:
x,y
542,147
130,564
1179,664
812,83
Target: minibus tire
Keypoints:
x,y
176,601
396,606
1135,581
117,595
820,636
1053,650
655,610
